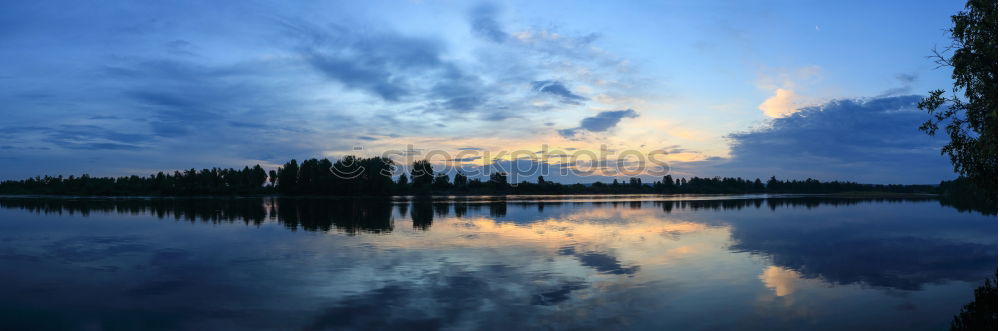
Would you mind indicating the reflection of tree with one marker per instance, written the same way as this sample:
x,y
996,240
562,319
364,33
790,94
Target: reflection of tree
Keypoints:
x,y
347,215
422,213
403,207
441,209
460,209
373,215
498,209
351,215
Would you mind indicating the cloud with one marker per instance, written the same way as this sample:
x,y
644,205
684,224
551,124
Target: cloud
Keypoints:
x,y
784,82
907,78
782,104
872,140
484,23
288,83
466,159
604,121
905,85
379,63
557,89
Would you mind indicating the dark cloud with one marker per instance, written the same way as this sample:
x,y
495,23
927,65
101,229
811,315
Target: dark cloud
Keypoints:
x,y
557,89
394,67
80,137
466,159
484,23
869,140
604,121
186,106
180,47
905,86
906,78
558,295
602,262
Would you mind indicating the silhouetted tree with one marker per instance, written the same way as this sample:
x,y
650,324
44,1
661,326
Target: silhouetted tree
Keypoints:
x,y
441,182
461,181
498,180
288,177
981,313
970,121
422,174
353,176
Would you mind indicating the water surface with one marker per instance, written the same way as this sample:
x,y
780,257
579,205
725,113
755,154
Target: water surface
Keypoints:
x,y
637,262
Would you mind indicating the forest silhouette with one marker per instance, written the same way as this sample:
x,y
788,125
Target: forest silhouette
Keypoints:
x,y
353,176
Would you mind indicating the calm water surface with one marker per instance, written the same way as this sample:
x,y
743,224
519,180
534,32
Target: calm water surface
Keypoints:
x,y
553,262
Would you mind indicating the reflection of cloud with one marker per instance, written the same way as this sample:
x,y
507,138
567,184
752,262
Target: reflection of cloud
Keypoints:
x,y
782,281
566,265
602,262
558,295
896,252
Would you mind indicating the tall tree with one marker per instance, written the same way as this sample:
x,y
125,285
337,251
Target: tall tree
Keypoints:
x,y
461,180
498,180
442,182
288,177
970,120
422,175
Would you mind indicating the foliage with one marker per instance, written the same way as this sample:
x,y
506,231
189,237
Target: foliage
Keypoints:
x,y
981,313
970,121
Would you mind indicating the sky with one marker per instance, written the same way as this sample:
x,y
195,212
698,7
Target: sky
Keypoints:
x,y
793,89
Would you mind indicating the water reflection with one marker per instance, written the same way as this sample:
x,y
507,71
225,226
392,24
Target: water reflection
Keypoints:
x,y
375,215
477,262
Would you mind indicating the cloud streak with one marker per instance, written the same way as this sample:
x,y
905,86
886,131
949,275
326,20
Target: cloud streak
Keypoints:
x,y
557,89
602,122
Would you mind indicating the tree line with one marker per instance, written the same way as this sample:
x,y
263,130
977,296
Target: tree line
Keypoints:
x,y
354,176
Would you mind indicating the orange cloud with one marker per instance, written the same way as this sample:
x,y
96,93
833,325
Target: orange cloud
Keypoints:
x,y
782,104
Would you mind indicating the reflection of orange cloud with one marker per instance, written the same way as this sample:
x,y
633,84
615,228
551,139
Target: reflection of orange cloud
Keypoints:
x,y
643,237
782,281
681,251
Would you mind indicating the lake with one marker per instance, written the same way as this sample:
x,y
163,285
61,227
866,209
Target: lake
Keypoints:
x,y
529,262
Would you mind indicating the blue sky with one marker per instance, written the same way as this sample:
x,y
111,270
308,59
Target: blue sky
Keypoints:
x,y
753,89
